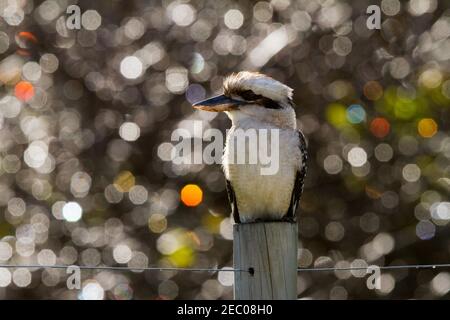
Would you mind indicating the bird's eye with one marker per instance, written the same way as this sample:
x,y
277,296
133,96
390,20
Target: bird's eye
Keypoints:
x,y
249,95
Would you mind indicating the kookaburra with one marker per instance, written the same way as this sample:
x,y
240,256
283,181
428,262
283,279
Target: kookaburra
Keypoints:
x,y
255,101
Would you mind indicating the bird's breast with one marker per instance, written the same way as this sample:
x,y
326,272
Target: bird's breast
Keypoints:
x,y
263,189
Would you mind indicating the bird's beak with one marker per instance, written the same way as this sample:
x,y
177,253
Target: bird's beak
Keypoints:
x,y
218,104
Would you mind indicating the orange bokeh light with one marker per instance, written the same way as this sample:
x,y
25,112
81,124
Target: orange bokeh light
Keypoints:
x,y
380,127
427,127
191,195
24,91
28,36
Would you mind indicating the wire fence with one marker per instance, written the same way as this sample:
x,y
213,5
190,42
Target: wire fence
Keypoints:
x,y
225,269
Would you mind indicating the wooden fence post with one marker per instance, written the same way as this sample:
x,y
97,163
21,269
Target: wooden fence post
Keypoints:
x,y
270,250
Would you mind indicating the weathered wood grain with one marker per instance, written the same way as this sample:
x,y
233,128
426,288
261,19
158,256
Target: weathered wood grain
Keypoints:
x,y
270,249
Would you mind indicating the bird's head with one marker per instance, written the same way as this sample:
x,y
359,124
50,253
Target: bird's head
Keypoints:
x,y
252,95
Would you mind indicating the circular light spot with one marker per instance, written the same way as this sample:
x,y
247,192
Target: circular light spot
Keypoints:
x,y
389,199
80,183
342,274
191,195
183,15
399,68
439,211
25,246
131,67
195,92
384,152
22,277
168,243
301,20
427,127
49,10
383,243
13,14
262,11
334,231
46,257
165,151
122,253
91,20
24,91
356,114
92,291
387,283
138,195
390,7
338,293
380,127
373,90
304,257
72,212
49,62
431,78
57,208
342,46
425,230
17,207
440,285
233,19
31,71
10,106
332,164
134,29
124,181
168,289
138,261
411,172
226,229
177,79
113,195
157,223
36,154
123,292
226,277
90,257
129,131
4,42
5,251
419,7
5,277
359,268
25,39
357,157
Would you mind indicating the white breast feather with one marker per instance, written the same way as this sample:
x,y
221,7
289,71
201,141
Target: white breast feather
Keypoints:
x,y
263,196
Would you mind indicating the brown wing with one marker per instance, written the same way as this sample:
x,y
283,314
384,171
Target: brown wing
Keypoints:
x,y
233,202
299,180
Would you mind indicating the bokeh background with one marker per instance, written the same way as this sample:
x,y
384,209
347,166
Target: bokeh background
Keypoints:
x,y
86,118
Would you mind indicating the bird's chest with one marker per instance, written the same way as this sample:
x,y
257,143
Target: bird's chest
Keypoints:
x,y
262,183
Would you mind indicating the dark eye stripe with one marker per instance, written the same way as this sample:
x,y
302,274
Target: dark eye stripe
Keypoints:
x,y
270,104
249,95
